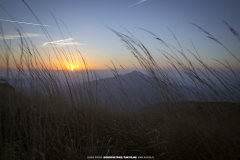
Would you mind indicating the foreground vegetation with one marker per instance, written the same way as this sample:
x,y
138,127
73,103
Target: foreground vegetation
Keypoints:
x,y
41,122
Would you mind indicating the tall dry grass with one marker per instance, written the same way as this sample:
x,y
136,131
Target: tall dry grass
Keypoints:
x,y
40,121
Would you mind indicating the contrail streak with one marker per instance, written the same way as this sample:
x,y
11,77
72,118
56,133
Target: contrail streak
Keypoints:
x,y
137,3
24,23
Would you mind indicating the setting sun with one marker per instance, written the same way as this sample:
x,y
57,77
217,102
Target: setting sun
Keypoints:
x,y
72,69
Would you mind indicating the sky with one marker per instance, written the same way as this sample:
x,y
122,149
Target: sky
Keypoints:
x,y
87,22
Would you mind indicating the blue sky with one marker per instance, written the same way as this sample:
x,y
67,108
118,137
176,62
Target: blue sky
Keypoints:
x,y
86,20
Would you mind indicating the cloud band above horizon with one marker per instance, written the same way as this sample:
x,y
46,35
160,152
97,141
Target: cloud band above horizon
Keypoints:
x,y
24,23
19,36
63,42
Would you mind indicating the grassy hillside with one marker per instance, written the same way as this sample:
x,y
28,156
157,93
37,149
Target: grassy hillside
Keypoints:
x,y
41,122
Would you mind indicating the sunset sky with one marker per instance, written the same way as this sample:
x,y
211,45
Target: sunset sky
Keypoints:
x,y
86,20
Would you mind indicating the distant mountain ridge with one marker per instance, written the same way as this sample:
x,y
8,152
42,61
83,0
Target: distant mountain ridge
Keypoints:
x,y
136,89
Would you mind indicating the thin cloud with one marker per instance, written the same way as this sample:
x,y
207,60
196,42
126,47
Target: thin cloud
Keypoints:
x,y
63,42
24,23
137,3
7,36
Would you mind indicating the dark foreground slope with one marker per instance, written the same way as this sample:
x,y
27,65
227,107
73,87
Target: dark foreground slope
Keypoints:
x,y
47,129
206,109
